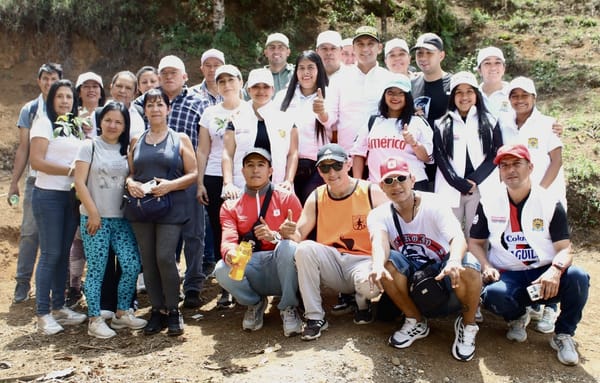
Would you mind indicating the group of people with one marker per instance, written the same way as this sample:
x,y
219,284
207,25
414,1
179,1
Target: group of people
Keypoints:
x,y
339,173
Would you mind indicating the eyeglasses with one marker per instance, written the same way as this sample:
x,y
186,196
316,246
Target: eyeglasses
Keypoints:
x,y
337,166
390,180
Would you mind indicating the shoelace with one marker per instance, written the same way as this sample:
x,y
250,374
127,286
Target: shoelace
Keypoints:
x,y
466,334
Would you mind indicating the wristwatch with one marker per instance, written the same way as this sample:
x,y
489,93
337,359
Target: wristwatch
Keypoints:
x,y
277,238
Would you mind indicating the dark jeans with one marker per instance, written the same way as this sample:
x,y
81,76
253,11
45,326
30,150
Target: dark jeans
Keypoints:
x,y
307,179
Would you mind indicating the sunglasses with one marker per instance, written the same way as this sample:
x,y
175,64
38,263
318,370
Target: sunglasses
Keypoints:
x,y
390,180
325,168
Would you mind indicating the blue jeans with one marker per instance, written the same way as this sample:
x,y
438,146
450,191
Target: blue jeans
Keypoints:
x,y
115,233
408,267
29,239
193,239
267,273
209,241
508,296
57,216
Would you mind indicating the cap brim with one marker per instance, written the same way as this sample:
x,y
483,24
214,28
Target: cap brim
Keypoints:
x,y
394,173
429,47
332,157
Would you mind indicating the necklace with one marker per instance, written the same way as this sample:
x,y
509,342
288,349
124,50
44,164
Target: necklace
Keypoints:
x,y
414,207
155,140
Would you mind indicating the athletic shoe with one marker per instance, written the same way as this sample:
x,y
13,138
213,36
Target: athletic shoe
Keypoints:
x,y
253,319
192,300
140,285
225,301
68,317
21,292
546,324
292,324
47,325
313,327
107,314
157,322
478,315
517,329
536,312
464,340
410,331
98,329
174,323
346,304
365,316
566,349
128,320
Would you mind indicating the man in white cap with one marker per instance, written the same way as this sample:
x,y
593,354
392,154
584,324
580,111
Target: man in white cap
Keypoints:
x,y
277,50
210,61
348,56
397,56
355,95
184,117
329,48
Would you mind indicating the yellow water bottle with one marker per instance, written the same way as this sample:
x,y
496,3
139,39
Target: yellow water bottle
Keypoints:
x,y
240,259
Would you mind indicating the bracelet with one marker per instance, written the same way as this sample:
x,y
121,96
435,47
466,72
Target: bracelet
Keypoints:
x,y
276,238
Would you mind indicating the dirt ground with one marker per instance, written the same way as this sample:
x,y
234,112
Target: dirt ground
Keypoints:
x,y
215,349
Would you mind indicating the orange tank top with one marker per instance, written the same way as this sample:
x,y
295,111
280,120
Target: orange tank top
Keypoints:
x,y
342,223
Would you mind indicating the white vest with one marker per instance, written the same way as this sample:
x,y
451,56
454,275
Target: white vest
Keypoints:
x,y
535,224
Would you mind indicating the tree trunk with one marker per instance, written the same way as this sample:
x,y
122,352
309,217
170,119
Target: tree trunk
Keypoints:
x,y
218,15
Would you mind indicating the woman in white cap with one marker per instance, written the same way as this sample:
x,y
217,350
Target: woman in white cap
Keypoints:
x,y
261,125
303,102
394,131
397,57
465,141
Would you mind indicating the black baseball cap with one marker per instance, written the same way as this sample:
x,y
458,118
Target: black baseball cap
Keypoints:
x,y
331,152
429,41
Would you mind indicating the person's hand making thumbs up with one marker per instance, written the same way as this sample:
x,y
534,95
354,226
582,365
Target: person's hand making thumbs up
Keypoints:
x,y
288,227
408,137
319,106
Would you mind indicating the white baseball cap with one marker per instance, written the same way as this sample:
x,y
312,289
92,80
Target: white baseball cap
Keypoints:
x,y
329,37
212,53
88,76
522,83
258,76
346,42
171,62
489,52
228,69
463,78
396,43
278,37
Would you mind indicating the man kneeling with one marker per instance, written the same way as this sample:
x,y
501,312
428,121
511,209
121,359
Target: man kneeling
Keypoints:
x,y
263,213
415,231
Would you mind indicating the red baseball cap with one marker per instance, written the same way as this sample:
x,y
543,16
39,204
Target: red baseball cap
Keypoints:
x,y
518,150
394,165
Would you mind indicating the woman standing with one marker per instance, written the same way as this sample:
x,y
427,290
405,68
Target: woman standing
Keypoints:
x,y
100,172
55,141
465,143
147,78
259,123
152,158
303,101
395,131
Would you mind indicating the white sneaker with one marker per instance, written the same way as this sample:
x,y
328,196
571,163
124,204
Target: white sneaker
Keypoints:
x,y
47,325
464,340
546,324
140,284
128,320
566,349
292,324
98,329
68,317
107,314
535,314
517,329
253,318
410,331
478,315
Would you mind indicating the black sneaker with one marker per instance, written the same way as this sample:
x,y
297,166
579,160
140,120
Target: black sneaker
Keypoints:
x,y
364,316
225,301
192,300
21,292
73,297
346,304
174,323
313,327
157,322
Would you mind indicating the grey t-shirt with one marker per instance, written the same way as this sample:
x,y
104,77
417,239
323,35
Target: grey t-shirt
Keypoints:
x,y
106,179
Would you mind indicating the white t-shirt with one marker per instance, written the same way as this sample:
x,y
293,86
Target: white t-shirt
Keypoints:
x,y
385,139
137,126
427,236
106,178
61,151
215,118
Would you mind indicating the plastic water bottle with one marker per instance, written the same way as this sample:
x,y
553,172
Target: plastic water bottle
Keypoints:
x,y
14,200
240,260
